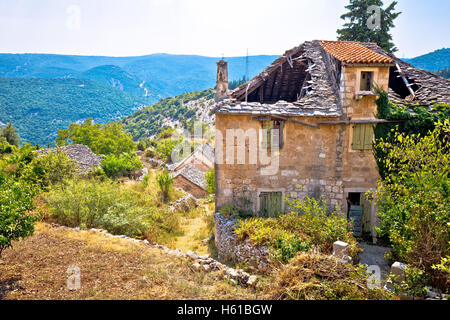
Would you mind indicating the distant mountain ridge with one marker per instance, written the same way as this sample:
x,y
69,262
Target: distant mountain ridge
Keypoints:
x,y
43,92
433,61
156,76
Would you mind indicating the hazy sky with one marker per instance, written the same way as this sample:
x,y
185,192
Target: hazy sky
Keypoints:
x,y
204,27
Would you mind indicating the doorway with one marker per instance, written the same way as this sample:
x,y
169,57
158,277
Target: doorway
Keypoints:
x,y
359,210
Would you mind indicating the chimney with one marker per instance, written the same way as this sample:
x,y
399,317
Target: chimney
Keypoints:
x,y
222,80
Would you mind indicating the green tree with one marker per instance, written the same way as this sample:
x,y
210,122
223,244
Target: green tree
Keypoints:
x,y
16,201
357,29
414,197
9,132
104,139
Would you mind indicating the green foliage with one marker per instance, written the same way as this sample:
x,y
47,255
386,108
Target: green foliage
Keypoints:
x,y
41,106
5,147
413,198
16,202
149,121
420,121
414,285
9,133
121,165
308,224
103,139
96,204
356,28
48,169
210,181
165,182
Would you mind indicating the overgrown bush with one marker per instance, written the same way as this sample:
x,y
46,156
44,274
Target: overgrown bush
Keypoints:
x,y
16,202
414,197
308,224
121,165
165,182
51,168
210,181
107,205
320,277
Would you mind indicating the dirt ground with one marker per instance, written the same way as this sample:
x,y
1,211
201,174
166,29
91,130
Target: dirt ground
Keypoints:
x,y
110,268
374,255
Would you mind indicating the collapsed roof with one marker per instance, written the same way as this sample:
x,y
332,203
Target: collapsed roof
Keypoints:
x,y
306,81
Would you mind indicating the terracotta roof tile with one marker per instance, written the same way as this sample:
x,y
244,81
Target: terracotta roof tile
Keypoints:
x,y
352,52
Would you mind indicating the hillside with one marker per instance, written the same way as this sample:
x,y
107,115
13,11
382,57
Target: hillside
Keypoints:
x,y
433,61
164,74
170,112
38,107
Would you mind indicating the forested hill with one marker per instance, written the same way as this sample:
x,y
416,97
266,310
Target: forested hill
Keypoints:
x,y
171,112
433,61
38,107
152,77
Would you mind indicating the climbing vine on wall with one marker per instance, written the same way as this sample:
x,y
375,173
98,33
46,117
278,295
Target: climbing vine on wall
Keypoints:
x,y
412,119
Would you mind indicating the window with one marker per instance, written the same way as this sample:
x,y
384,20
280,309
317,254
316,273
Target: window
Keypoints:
x,y
270,204
272,134
362,137
366,81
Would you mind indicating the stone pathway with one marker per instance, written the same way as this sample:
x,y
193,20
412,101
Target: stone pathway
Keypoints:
x,y
374,255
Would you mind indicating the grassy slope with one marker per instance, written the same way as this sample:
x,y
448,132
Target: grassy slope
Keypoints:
x,y
111,268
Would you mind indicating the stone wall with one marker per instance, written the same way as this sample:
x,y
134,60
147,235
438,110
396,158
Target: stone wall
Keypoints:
x,y
189,187
313,162
229,249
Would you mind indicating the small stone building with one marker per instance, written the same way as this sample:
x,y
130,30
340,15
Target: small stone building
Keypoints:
x,y
191,180
189,174
304,127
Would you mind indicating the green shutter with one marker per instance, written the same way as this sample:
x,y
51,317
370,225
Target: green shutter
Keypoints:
x,y
357,143
270,204
368,137
362,137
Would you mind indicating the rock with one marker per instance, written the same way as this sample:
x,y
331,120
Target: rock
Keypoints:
x,y
398,271
206,267
144,173
196,266
232,273
208,239
340,249
192,255
252,281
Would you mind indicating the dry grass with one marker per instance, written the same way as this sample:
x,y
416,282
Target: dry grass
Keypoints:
x,y
314,276
111,268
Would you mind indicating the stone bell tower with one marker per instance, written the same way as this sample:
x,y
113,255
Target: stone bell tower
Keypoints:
x,y
222,80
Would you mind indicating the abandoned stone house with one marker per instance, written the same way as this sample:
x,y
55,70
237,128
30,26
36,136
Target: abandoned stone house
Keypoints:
x,y
317,106
189,173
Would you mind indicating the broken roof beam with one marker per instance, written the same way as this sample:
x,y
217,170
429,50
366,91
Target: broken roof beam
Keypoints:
x,y
296,121
408,85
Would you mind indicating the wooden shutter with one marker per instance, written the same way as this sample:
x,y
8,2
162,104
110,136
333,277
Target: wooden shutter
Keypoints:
x,y
267,135
368,137
355,215
270,204
362,137
357,142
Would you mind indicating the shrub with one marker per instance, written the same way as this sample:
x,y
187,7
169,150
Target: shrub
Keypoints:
x,y
413,199
320,277
210,181
308,224
50,168
118,166
105,139
165,182
16,201
107,205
